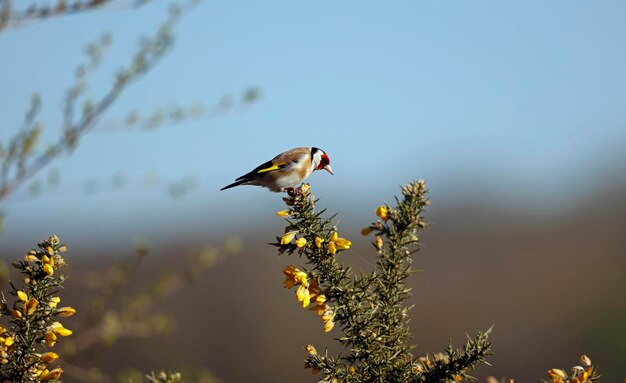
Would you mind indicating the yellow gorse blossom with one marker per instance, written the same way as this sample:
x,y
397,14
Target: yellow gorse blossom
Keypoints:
x,y
283,213
318,242
381,211
331,247
343,243
311,350
54,301
8,341
31,306
50,338
58,329
47,376
30,258
337,243
287,238
378,243
301,242
48,269
49,357
294,276
366,230
66,311
303,295
22,296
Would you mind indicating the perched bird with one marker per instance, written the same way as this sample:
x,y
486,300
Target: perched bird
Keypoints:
x,y
286,170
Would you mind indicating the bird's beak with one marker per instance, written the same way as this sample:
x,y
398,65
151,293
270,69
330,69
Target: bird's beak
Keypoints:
x,y
328,169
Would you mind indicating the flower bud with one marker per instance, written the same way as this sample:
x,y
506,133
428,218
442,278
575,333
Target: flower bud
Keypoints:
x,y
311,350
584,359
287,238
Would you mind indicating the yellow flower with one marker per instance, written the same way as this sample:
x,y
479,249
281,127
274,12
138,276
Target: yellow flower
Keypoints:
x,y
366,230
328,315
381,211
301,277
283,213
16,314
311,350
48,269
287,238
31,306
54,301
49,357
294,276
22,296
50,338
30,258
379,243
319,309
47,376
334,236
58,329
342,243
320,299
332,249
302,294
305,188
329,326
8,342
301,242
318,242
66,311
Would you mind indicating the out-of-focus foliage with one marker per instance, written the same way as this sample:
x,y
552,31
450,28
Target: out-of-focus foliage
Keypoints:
x,y
23,156
120,306
370,309
16,14
33,326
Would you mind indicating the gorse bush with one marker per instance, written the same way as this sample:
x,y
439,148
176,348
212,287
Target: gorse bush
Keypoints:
x,y
369,309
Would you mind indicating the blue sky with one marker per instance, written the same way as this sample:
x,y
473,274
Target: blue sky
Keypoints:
x,y
521,101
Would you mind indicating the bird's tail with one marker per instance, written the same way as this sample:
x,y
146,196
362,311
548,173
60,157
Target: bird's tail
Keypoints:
x,y
237,183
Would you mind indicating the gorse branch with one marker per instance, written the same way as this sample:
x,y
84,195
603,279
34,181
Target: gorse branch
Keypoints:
x,y
370,309
33,324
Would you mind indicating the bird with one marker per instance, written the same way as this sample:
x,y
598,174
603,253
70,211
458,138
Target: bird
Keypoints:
x,y
286,170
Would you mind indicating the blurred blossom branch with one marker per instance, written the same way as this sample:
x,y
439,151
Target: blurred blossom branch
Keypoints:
x,y
174,115
108,319
16,17
31,324
19,160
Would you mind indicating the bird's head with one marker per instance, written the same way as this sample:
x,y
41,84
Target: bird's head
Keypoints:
x,y
320,160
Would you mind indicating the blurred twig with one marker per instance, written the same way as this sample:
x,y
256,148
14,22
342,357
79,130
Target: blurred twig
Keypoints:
x,y
11,17
18,162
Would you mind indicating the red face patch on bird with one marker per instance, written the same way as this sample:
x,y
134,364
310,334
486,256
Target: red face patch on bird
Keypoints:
x,y
323,162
